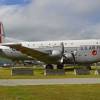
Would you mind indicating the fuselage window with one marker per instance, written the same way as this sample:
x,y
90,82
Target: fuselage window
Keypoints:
x,y
71,51
90,48
96,42
82,48
85,55
93,47
98,47
71,43
55,44
65,43
86,48
41,44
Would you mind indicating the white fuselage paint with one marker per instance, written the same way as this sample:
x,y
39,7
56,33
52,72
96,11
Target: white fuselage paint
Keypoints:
x,y
84,48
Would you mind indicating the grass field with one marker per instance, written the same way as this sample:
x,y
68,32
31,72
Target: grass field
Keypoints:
x,y
5,73
51,92
48,92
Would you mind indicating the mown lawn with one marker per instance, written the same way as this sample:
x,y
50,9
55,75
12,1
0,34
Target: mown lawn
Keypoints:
x,y
51,92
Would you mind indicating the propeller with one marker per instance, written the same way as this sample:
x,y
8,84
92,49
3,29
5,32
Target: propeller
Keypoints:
x,y
73,55
62,51
63,55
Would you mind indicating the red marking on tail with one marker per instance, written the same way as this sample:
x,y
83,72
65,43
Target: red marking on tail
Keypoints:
x,y
1,32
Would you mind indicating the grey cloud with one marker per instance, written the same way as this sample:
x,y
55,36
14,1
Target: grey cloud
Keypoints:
x,y
51,20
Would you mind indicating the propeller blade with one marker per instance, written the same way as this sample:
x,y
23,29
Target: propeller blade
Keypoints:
x,y
62,47
62,52
73,58
63,55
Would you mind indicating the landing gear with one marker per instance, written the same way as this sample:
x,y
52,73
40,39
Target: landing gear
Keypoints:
x,y
49,66
60,66
89,67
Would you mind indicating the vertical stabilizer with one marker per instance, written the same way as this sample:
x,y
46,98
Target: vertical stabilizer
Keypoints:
x,y
2,35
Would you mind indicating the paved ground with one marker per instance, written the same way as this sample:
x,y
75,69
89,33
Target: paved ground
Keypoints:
x,y
16,82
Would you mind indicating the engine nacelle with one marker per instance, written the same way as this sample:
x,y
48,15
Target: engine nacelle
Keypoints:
x,y
56,53
68,56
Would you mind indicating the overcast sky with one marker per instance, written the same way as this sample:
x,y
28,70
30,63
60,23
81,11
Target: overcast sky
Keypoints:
x,y
51,19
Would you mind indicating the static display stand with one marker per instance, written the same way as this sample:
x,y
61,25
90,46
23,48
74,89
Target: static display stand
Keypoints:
x,y
54,72
22,71
97,72
81,71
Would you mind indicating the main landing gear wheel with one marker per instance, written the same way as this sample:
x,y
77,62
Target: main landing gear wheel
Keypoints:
x,y
60,66
49,66
89,67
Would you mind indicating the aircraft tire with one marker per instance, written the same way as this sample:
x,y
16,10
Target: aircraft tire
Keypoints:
x,y
89,67
60,66
49,66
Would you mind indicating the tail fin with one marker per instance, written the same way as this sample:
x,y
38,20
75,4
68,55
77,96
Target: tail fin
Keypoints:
x,y
2,34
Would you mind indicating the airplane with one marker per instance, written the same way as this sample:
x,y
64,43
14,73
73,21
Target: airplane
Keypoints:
x,y
76,52
7,52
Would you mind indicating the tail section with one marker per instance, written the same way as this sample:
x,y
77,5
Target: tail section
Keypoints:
x,y
2,34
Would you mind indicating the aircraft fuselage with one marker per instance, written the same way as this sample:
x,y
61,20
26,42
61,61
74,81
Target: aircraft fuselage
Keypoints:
x,y
86,51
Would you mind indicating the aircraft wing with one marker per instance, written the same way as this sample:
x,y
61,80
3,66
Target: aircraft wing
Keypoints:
x,y
41,56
